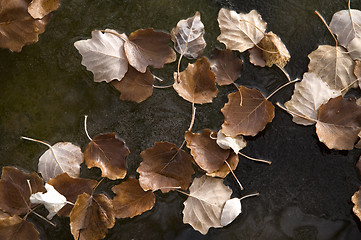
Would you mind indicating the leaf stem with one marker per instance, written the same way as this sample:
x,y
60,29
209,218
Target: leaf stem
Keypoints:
x,y
116,34
98,183
249,195
328,28
85,127
240,94
179,62
284,72
353,82
161,87
193,117
284,85
35,140
185,193
234,175
45,219
158,78
255,159
293,113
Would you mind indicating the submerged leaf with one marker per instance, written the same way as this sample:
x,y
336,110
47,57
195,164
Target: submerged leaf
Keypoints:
x,y
107,152
41,8
165,167
276,52
131,200
15,228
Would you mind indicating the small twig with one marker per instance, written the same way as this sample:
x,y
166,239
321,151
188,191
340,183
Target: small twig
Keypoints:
x,y
284,85
249,195
234,175
85,127
255,159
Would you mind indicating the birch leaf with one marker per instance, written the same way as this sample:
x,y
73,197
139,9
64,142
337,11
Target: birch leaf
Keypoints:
x,y
188,37
203,208
16,228
40,8
236,143
240,31
276,53
104,55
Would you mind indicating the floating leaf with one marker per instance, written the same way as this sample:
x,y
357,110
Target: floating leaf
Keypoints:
x,y
188,37
15,228
145,47
41,8
246,115
165,167
308,96
135,86
205,151
52,200
240,31
17,27
107,152
356,199
224,170
203,208
333,65
91,217
230,211
131,200
276,52
197,83
15,190
104,55
236,143
71,188
226,66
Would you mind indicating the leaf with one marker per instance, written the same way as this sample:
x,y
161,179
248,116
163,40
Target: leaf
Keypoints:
x,y
224,170
17,27
276,53
52,200
308,96
226,66
339,122
104,55
40,8
107,152
249,118
240,31
197,83
188,37
356,199
165,167
205,151
135,86
345,28
354,48
59,158
14,183
256,57
203,208
357,71
71,188
231,210
15,228
91,217
131,200
332,65
145,47
236,143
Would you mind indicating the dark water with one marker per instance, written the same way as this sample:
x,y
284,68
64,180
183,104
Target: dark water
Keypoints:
x,y
305,193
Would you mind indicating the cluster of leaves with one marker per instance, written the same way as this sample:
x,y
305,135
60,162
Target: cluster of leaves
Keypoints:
x,y
21,21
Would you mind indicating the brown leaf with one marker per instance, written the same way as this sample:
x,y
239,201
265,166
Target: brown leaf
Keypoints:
x,y
41,8
17,27
256,57
165,167
15,228
131,200
357,71
14,183
91,217
107,152
223,171
356,199
249,118
226,66
197,83
205,150
339,122
272,43
148,48
71,188
135,86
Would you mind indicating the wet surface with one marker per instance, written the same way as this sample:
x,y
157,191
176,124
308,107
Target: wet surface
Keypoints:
x,y
305,193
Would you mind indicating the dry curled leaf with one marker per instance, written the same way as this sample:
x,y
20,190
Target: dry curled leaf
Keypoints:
x,y
356,199
188,37
197,83
165,167
135,86
40,8
16,228
107,152
226,66
91,217
276,52
131,200
247,114
145,47
203,208
236,143
104,55
240,31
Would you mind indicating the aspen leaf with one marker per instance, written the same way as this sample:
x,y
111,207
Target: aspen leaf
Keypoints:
x,y
203,208
165,167
256,57
226,66
131,200
104,55
40,8
224,170
188,37
249,118
272,43
232,208
354,48
356,199
240,31
91,217
135,86
197,83
236,143
145,47
15,228
107,152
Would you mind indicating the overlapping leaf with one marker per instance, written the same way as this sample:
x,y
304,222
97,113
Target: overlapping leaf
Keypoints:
x,y
232,208
356,199
275,52
354,48
236,143
224,170
15,228
40,8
